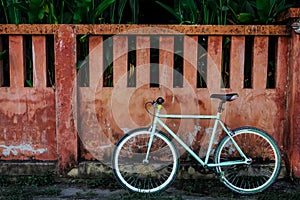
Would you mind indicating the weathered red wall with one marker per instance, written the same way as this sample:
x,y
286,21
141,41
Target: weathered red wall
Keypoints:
x,y
107,113
45,123
28,116
293,143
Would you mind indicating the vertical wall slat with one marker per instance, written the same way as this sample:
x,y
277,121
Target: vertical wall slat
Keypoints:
x,y
65,79
237,58
16,61
190,61
96,61
214,63
143,60
260,62
293,140
281,81
39,61
166,61
120,61
281,63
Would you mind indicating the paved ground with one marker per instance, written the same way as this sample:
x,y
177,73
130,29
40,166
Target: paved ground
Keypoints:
x,y
49,187
181,189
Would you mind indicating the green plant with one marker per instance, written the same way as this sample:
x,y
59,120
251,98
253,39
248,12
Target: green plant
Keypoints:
x,y
241,12
267,10
37,11
90,11
2,53
222,12
11,13
134,6
184,11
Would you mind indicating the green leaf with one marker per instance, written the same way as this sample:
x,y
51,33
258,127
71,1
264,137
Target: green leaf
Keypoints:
x,y
2,53
244,18
171,11
263,9
77,17
103,6
41,14
29,83
121,9
52,14
67,18
83,38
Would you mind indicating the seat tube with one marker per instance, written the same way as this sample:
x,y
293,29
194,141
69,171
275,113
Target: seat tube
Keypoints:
x,y
213,135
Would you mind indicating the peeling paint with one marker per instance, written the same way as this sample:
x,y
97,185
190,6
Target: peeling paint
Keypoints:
x,y
23,147
192,135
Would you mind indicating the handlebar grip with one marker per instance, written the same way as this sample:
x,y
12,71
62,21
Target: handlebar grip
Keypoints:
x,y
160,101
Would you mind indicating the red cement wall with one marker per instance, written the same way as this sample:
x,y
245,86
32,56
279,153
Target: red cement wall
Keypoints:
x,y
67,123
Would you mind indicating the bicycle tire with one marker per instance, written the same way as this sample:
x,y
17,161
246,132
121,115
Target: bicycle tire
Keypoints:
x,y
261,172
151,177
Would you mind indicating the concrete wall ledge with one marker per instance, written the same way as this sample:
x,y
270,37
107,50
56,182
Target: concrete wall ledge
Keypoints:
x,y
91,169
26,168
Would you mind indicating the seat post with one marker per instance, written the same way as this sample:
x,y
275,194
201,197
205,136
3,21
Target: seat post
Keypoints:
x,y
220,108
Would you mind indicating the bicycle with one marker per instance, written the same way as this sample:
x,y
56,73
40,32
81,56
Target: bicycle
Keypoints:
x,y
246,159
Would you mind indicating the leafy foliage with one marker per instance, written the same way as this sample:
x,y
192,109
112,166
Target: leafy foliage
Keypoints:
x,y
128,11
68,11
224,12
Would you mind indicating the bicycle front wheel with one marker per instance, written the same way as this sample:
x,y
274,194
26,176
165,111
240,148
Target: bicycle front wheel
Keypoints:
x,y
265,163
140,175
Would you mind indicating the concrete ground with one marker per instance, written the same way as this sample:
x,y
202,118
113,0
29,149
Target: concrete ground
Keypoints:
x,y
94,181
282,189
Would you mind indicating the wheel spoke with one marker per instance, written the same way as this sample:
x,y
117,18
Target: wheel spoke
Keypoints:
x,y
261,172
137,176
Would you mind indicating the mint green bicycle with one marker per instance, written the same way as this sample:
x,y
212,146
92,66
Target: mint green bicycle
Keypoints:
x,y
145,160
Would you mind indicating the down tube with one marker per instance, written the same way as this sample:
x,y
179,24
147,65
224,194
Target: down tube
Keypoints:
x,y
181,142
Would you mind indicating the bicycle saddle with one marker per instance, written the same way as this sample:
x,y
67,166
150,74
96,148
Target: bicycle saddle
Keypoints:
x,y
225,97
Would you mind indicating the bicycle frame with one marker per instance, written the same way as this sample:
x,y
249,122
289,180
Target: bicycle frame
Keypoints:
x,y
216,118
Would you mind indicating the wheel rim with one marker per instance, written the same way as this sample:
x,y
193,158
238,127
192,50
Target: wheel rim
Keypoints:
x,y
139,176
257,175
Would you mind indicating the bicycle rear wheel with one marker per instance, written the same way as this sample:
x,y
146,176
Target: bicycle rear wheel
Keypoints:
x,y
137,175
257,175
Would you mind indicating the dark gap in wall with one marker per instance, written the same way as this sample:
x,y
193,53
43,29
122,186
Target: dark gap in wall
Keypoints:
x,y
4,62
82,64
202,62
225,72
249,42
108,61
154,61
50,62
178,62
131,65
28,71
271,75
